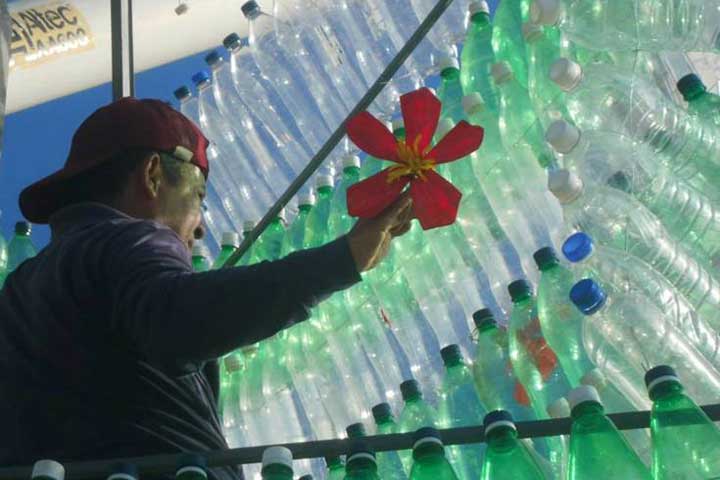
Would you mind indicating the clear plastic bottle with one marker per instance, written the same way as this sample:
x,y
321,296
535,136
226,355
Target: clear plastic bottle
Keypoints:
x,y
231,369
449,27
655,25
638,336
477,55
20,247
507,37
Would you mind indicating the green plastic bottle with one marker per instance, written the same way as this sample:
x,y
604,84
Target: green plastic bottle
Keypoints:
x,y
20,247
200,261
506,457
277,464
335,468
248,226
3,260
450,91
124,471
416,413
686,443
361,464
47,470
597,449
229,244
389,465
316,225
295,233
460,406
268,245
191,467
701,103
477,55
507,37
429,462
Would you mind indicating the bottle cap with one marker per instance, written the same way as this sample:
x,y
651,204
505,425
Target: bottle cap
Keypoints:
x,y
306,198
501,72
582,394
248,225
230,239
277,456
212,58
689,85
350,160
562,136
588,296
232,362
397,124
306,477
444,126
545,12
560,408
519,289
181,9
201,77
566,74
324,181
484,317
198,250
565,185
532,32
48,470
124,471
660,374
232,41
446,61
182,92
23,228
191,463
595,378
473,103
545,257
360,450
333,460
381,410
426,435
577,247
478,6
498,418
409,389
356,430
451,354
250,9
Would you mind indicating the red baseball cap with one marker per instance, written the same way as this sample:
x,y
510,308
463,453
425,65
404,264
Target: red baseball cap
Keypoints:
x,y
123,124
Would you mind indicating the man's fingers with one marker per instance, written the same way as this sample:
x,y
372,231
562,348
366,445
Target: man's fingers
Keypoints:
x,y
389,217
401,229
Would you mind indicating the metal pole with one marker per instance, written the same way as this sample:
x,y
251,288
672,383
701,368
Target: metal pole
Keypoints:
x,y
166,464
123,70
339,133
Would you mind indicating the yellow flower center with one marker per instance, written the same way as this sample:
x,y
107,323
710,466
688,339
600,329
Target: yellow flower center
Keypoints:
x,y
413,161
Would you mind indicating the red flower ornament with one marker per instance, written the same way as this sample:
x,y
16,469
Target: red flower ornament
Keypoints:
x,y
435,200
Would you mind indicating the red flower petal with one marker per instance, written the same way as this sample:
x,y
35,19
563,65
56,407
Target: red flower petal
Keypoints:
x,y
421,112
372,136
435,200
371,196
462,140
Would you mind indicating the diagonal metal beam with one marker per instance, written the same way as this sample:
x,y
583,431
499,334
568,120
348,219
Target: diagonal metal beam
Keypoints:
x,y
123,70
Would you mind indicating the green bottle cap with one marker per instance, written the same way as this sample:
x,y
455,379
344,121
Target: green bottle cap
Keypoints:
x,y
545,258
410,389
356,430
519,290
23,228
690,86
381,411
484,318
451,354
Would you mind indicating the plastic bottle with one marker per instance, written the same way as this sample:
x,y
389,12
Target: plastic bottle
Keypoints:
x,y
191,467
450,91
460,406
507,37
124,471
3,260
638,335
389,465
597,449
231,368
230,243
335,468
268,245
691,25
416,413
429,462
277,464
614,218
477,55
686,443
506,457
618,271
20,247
449,26
47,470
295,233
701,103
361,464
200,261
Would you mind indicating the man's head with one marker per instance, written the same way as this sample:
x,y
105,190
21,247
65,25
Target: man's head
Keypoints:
x,y
138,156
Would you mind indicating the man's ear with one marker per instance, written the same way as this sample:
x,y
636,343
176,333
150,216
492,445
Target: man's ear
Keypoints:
x,y
152,174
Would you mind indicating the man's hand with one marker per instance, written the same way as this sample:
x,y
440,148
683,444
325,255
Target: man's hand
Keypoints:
x,y
370,238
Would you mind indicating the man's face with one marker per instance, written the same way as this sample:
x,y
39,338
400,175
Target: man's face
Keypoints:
x,y
180,204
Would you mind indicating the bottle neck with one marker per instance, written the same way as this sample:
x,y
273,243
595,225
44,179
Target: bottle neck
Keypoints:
x,y
413,398
522,301
277,471
666,389
480,19
587,408
454,363
549,266
695,93
351,175
382,420
305,208
429,451
450,74
501,435
325,192
361,465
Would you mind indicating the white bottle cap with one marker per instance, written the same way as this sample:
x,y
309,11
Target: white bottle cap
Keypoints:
x,y
446,61
562,136
277,456
560,408
389,125
444,126
432,90
397,124
248,225
282,214
501,72
324,181
307,198
565,185
545,12
350,160
582,394
595,378
48,469
473,103
230,239
566,74
198,250
531,32
478,6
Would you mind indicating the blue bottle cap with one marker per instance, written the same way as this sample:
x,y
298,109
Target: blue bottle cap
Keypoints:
x,y
498,418
587,296
577,247
519,289
200,77
231,41
182,92
213,57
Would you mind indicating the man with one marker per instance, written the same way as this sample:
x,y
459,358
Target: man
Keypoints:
x,y
108,338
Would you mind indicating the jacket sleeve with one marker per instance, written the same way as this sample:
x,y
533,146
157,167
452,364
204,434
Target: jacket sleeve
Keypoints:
x,y
172,314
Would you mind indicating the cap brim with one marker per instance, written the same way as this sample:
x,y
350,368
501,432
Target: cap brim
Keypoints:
x,y
39,201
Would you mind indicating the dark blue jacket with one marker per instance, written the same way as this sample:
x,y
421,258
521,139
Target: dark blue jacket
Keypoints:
x,y
108,339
